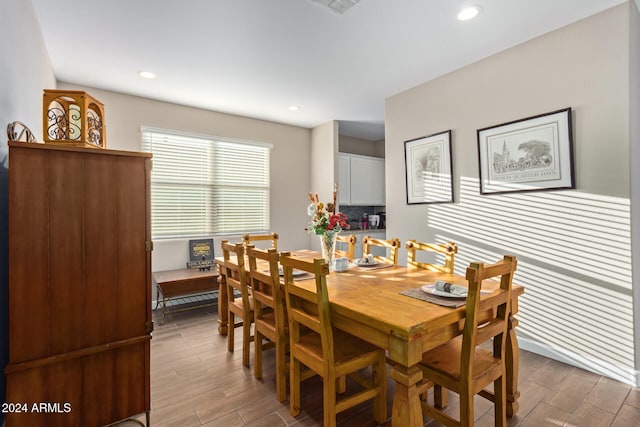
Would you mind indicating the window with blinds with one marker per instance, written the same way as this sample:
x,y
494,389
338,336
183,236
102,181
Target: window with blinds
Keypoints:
x,y
203,185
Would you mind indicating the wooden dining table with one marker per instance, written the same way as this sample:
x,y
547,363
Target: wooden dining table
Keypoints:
x,y
367,303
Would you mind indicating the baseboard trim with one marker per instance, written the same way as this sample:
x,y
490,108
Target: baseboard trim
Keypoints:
x,y
619,373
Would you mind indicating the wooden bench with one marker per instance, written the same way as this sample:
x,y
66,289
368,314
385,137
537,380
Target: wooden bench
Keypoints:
x,y
174,284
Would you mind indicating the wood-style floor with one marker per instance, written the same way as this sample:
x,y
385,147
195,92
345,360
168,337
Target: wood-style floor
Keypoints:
x,y
195,381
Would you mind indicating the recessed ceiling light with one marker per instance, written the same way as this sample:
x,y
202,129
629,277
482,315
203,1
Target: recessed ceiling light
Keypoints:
x,y
469,12
294,108
147,74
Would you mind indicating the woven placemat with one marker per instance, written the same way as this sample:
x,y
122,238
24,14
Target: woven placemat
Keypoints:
x,y
418,293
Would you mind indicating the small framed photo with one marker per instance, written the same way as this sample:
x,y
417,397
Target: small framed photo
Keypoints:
x,y
531,154
429,169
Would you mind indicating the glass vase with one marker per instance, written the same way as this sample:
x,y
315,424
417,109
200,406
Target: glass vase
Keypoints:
x,y
328,245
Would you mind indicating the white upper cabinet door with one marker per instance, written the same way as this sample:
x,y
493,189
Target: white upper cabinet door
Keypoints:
x,y
367,181
344,179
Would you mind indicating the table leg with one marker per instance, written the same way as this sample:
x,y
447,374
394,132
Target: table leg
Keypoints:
x,y
512,361
406,411
164,308
157,297
223,314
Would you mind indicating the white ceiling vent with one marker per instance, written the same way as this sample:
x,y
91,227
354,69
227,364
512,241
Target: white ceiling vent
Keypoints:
x,y
338,6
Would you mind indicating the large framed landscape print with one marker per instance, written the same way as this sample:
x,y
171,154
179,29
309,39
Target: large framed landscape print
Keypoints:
x,y
429,169
535,153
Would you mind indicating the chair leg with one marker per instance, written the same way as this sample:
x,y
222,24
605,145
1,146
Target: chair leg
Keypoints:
x,y
440,397
230,332
500,393
246,341
341,384
379,375
329,391
294,397
466,408
257,356
281,369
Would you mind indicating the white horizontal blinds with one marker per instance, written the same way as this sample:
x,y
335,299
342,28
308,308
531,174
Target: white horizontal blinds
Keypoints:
x,y
202,186
241,174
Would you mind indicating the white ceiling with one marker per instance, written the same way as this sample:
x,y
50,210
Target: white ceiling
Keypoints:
x,y
255,58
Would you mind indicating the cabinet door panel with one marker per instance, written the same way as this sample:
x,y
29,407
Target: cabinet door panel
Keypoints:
x,y
28,256
132,378
100,391
367,181
54,384
66,257
344,180
131,229
100,250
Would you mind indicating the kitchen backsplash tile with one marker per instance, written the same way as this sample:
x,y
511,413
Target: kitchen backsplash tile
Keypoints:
x,y
355,213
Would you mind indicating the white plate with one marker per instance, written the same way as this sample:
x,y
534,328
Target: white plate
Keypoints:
x,y
431,289
296,272
362,263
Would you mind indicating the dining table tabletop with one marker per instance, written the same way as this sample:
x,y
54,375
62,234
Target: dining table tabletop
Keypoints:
x,y
386,306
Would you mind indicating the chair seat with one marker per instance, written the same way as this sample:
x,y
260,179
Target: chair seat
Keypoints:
x,y
238,302
268,320
346,347
446,360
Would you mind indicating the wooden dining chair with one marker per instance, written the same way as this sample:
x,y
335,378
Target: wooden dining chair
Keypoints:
x,y
329,352
449,250
241,306
269,311
350,241
250,238
463,367
391,244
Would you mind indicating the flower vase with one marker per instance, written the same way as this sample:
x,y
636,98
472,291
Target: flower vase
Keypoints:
x,y
328,244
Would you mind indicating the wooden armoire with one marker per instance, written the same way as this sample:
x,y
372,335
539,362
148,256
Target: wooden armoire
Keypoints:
x,y
79,285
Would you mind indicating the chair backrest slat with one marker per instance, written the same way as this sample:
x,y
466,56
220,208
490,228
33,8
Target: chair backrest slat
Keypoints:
x,y
265,284
391,244
235,271
350,240
449,250
250,238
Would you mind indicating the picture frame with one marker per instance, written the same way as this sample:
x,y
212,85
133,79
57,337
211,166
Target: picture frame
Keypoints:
x,y
530,154
429,169
201,254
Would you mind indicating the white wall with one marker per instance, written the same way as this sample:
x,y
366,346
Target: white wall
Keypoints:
x,y
634,136
25,70
323,168
124,114
351,145
573,247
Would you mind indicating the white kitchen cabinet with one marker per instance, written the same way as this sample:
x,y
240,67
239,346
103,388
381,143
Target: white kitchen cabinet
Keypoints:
x,y
344,180
360,180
